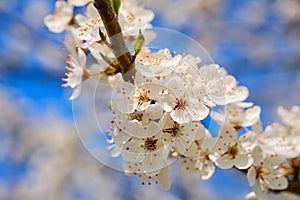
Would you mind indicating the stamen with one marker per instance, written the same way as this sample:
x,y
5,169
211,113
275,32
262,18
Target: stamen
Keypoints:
x,y
150,144
180,104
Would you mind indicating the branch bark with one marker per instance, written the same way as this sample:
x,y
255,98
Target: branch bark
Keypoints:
x,y
294,187
115,35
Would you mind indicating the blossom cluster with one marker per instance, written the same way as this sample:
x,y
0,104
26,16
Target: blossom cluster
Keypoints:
x,y
158,116
83,36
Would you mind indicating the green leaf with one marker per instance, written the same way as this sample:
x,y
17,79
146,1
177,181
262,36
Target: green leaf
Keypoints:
x,y
139,43
105,58
116,4
102,36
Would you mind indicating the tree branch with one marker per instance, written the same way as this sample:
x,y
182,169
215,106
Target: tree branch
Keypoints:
x,y
115,35
294,187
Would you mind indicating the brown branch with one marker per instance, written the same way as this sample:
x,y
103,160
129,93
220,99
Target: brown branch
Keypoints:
x,y
294,187
115,35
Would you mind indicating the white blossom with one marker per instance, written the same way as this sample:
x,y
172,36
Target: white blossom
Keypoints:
x,y
72,42
181,136
151,152
290,116
277,139
129,97
76,73
234,93
230,151
141,124
188,68
264,173
200,157
134,17
89,24
61,18
210,87
156,64
161,177
240,114
180,101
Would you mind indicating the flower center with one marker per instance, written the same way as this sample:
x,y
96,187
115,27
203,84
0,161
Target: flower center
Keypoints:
x,y
150,144
180,104
261,172
135,115
142,97
174,130
233,151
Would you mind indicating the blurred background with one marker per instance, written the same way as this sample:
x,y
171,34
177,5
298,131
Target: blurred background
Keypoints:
x,y
41,156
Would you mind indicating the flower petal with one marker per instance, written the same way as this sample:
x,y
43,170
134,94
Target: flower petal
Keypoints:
x,y
243,161
251,176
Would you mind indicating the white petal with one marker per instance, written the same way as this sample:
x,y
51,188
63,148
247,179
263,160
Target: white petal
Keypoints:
x,y
224,162
115,80
167,102
81,20
227,138
191,151
123,99
132,151
78,2
72,41
201,132
76,92
247,141
251,196
207,169
181,116
197,111
272,161
155,111
116,152
244,104
259,191
278,183
137,130
178,87
257,155
251,176
164,178
81,58
218,117
252,115
257,127
243,161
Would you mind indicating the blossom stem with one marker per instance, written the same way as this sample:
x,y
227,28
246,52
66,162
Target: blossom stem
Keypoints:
x,y
116,38
96,73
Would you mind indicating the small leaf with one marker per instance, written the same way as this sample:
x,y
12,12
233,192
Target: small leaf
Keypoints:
x,y
139,43
116,4
102,36
105,58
